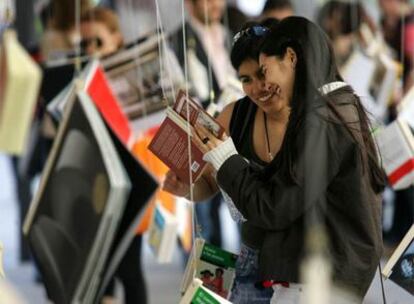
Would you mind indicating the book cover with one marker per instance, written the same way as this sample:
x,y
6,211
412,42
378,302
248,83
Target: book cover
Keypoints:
x,y
162,234
400,266
76,212
216,269
170,144
396,147
144,78
20,79
198,294
214,266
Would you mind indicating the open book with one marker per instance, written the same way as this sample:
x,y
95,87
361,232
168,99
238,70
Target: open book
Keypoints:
x,y
170,144
396,146
214,266
400,266
198,294
20,79
162,234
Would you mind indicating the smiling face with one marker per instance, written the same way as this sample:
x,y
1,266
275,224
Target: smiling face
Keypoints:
x,y
279,74
254,86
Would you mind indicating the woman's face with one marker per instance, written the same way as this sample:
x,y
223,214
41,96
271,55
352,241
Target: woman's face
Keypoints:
x,y
96,37
254,86
279,74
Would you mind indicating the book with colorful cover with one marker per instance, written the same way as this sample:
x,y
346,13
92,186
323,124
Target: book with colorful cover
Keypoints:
x,y
214,266
198,294
162,234
396,147
170,143
400,266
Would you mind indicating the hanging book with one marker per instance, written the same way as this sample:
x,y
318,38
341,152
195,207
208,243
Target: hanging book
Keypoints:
x,y
198,294
214,266
142,76
170,144
400,266
20,79
396,146
162,234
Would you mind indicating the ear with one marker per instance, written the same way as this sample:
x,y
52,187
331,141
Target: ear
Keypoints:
x,y
292,57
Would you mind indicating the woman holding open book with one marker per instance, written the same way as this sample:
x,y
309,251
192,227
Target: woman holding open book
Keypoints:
x,y
244,120
326,173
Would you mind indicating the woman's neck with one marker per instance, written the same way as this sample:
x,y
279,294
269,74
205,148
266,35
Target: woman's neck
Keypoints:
x,y
281,116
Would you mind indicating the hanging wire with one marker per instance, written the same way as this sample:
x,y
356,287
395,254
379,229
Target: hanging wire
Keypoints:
x,y
402,56
77,38
137,59
196,229
209,67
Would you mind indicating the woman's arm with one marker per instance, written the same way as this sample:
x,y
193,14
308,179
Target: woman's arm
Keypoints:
x,y
274,204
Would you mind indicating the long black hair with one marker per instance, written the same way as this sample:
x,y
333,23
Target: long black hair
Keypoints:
x,y
247,42
315,67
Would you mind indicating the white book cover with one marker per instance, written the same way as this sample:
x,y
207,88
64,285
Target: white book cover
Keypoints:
x,y
396,147
162,234
406,108
400,266
20,79
198,294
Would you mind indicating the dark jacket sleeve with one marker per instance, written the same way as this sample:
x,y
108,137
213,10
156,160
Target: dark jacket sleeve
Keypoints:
x,y
274,204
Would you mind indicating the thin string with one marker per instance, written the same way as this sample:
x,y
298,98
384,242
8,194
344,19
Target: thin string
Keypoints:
x,y
137,59
384,299
196,230
209,68
160,53
77,38
402,57
162,45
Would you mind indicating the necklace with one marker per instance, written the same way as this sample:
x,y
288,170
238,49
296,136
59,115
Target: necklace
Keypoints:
x,y
267,137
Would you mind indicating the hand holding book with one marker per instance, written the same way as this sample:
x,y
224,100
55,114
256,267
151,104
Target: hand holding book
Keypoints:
x,y
174,185
215,150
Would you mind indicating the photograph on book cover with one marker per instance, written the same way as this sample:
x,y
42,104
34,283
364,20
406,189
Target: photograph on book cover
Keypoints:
x,y
216,269
143,78
403,270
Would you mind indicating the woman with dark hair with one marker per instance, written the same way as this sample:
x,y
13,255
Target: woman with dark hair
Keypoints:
x,y
326,172
247,123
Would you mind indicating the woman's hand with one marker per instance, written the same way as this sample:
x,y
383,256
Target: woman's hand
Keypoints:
x,y
174,185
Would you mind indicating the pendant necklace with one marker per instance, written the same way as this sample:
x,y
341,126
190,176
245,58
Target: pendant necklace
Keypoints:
x,y
270,155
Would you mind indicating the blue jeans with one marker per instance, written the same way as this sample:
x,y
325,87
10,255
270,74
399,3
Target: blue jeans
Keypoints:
x,y
244,290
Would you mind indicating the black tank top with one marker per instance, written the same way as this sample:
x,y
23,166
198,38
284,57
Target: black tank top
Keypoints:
x,y
241,131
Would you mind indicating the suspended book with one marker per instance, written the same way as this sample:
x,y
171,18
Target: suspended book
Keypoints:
x,y
396,146
162,234
170,144
77,220
214,266
400,266
20,79
406,108
199,294
1,261
141,76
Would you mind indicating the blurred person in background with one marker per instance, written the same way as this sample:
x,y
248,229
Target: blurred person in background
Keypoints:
x,y
59,37
397,24
101,35
209,68
277,9
342,21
